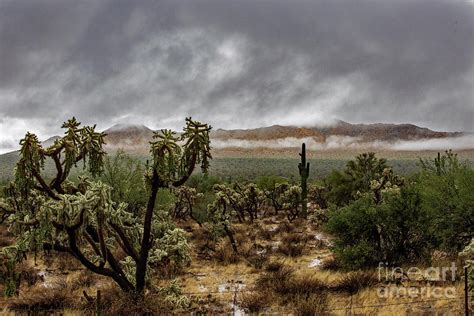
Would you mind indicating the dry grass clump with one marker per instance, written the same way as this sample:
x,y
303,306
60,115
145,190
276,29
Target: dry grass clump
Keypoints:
x,y
276,274
295,287
286,227
257,260
84,279
255,302
293,244
41,299
331,264
353,282
115,302
225,254
267,234
307,294
312,305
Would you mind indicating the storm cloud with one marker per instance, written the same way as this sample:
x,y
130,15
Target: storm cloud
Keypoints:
x,y
235,64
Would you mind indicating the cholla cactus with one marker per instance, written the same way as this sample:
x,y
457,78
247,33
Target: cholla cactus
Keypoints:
x,y
442,164
244,199
82,219
221,214
468,255
292,202
388,182
275,195
186,199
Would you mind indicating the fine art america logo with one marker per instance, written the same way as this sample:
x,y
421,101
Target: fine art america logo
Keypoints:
x,y
415,282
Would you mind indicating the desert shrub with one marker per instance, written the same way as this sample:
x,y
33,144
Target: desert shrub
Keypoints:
x,y
292,290
266,234
286,227
203,183
294,287
257,260
124,175
276,273
28,274
268,182
225,255
255,301
446,187
396,230
331,263
312,305
293,244
56,298
84,279
353,282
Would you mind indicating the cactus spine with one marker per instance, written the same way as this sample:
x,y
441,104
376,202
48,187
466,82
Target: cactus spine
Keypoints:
x,y
303,167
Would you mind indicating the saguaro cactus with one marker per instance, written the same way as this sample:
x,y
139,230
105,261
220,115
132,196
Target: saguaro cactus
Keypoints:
x,y
303,167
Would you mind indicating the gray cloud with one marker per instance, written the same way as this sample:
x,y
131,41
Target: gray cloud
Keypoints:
x,y
241,63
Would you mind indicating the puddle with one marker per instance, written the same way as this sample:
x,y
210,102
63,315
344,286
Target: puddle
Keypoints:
x,y
47,282
230,287
236,310
315,263
276,245
261,251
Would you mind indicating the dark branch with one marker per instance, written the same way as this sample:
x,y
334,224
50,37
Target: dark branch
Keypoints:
x,y
127,246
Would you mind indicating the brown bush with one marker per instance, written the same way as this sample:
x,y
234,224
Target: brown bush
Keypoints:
x,y
294,244
115,302
43,300
84,279
353,282
266,234
255,302
276,274
257,260
286,227
225,254
330,263
28,274
311,305
294,287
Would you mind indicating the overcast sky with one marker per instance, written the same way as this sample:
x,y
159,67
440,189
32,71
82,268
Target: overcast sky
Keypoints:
x,y
235,64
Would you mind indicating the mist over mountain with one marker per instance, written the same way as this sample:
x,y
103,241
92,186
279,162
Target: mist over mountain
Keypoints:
x,y
341,135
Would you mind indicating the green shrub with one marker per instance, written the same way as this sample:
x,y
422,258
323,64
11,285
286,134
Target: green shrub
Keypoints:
x,y
124,175
396,230
446,188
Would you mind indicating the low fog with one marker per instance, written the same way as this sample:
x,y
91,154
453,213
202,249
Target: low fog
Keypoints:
x,y
346,142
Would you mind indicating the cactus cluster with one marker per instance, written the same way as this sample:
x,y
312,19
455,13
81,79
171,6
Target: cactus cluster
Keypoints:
x,y
80,218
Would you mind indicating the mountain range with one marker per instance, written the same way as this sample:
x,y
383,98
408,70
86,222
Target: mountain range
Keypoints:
x,y
339,135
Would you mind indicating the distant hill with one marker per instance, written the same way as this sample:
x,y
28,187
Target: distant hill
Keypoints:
x,y
364,132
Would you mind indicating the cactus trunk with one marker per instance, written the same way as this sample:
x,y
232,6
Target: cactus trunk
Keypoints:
x,y
303,167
